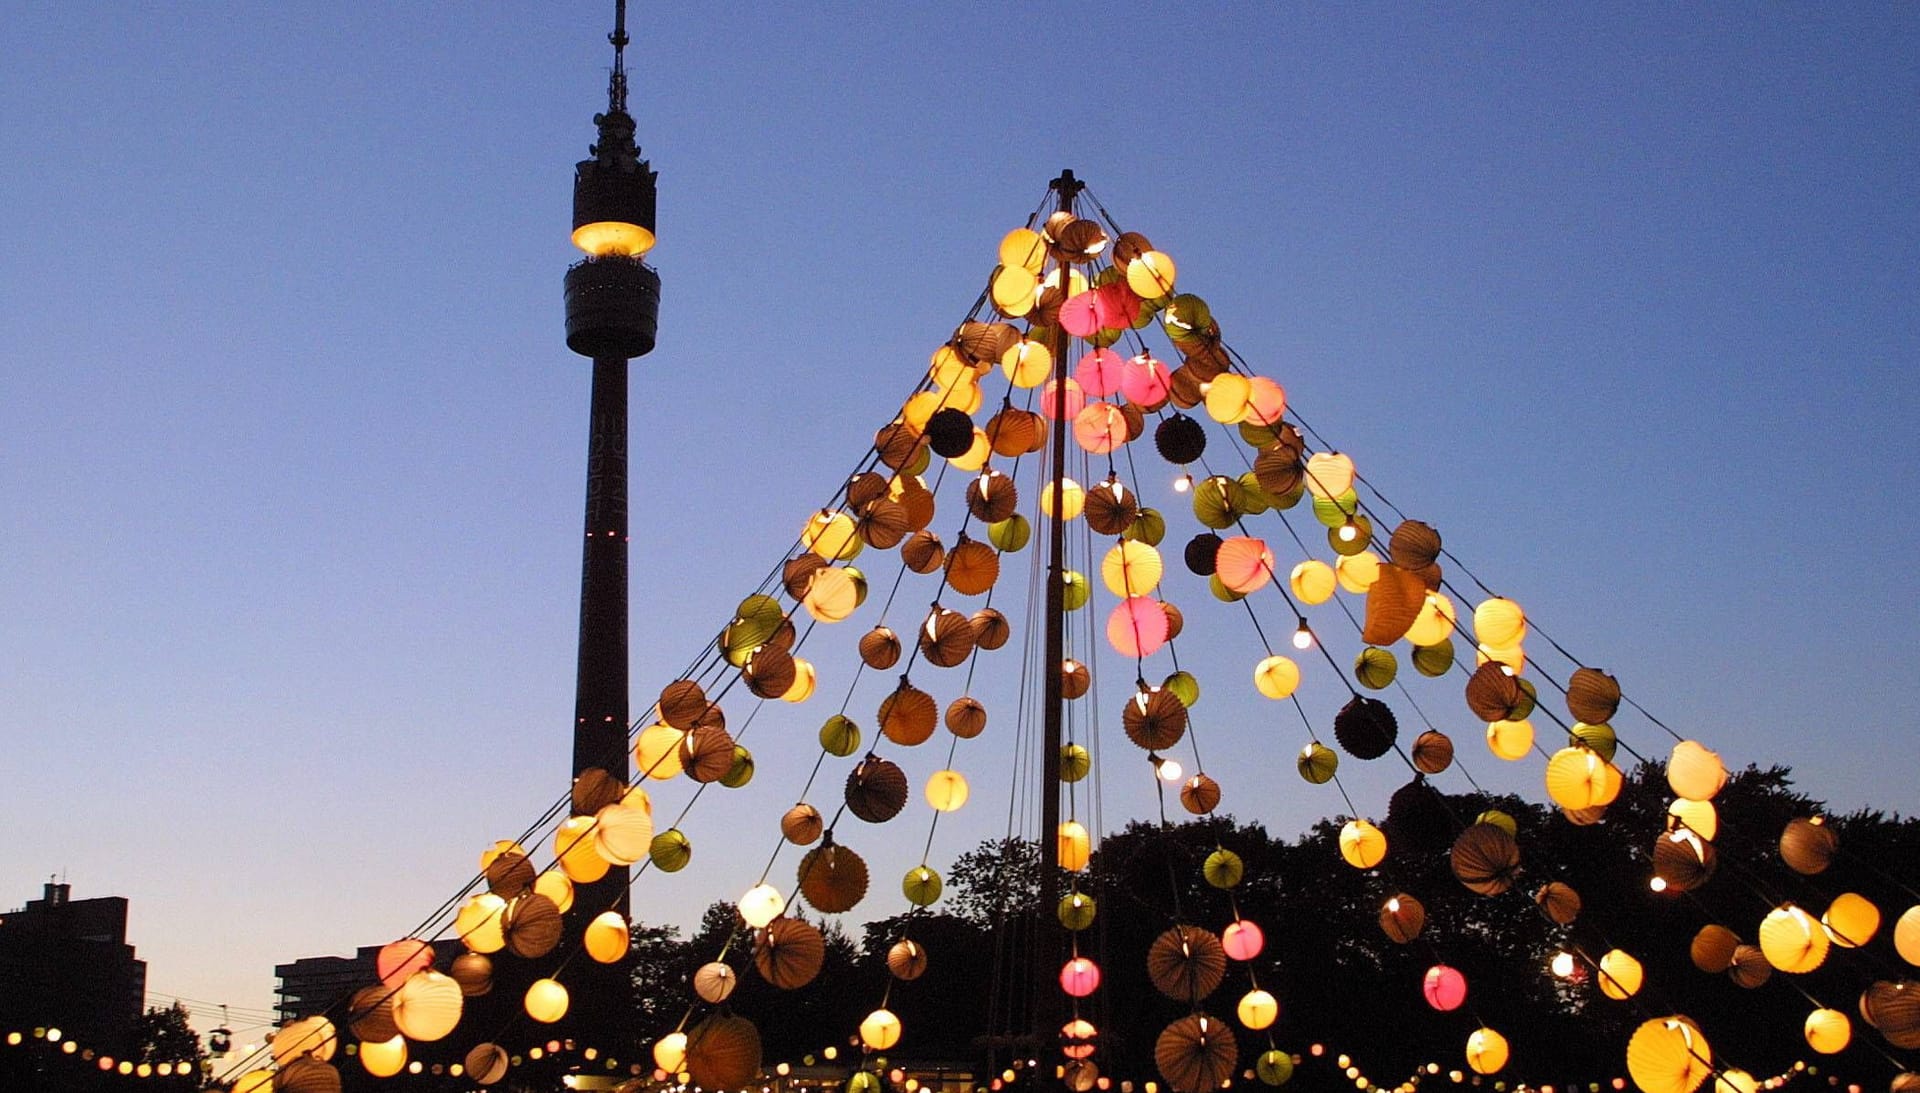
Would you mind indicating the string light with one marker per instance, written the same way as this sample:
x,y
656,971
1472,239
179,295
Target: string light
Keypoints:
x,y
1303,636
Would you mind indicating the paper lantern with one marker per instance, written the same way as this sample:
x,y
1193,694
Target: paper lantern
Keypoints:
x,y
1098,373
487,1063
1402,917
1202,554
427,1006
656,754
314,1036
946,790
789,953
1100,427
1186,963
880,1030
1073,500
761,904
1485,859
1076,910
1559,902
622,834
546,1001
1150,276
723,1052
1357,573
1620,975
1683,861
1792,940
1669,1055
370,1010
1494,694
1694,772
1828,1031
1396,600
1362,844
1432,752
1014,291
1906,935
1276,676
607,937
1712,948
384,1058
1154,719
1593,696
254,1081
1499,623
1242,939
1329,475
1144,381
1579,779
1274,1067
1313,581
1851,920
1131,569
1444,988
671,850
1699,817
1075,846
398,960
1434,623
1808,844
1200,794
714,981
1486,1051
1196,1054
832,878
479,924
510,874
1510,740
1749,968
1894,1009
1223,868
1180,439
1258,1009
1244,564
876,790
670,1052
1137,627
906,960
1080,977
1317,763
1375,668
1365,727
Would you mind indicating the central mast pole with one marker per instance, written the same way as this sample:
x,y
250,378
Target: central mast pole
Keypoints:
x,y
1047,951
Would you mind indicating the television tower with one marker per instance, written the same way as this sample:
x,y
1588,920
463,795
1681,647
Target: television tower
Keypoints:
x,y
613,310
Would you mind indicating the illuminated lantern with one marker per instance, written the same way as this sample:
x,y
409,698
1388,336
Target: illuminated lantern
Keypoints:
x,y
1276,677
1258,1009
657,753
427,1006
1828,1031
313,1036
1227,397
1138,627
1100,427
1906,935
622,834
1098,373
1434,623
1244,564
1669,1055
670,1052
1014,290
1329,474
1357,572
480,923
1073,500
1444,988
946,790
1080,977
1559,902
384,1058
1075,399
1620,975
1792,941
607,937
546,1001
832,535
1274,1067
400,959
1022,248
1266,402
1402,917
1699,817
1499,623
1694,772
254,1081
1144,381
1362,844
1078,1034
1734,1080
1313,581
761,905
1242,939
1150,276
1486,1051
1579,779
1851,920
1510,740
1076,847
880,1030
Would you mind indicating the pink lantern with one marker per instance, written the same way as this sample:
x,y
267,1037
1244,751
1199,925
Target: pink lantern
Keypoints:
x,y
1100,427
1098,373
1077,315
1144,380
400,959
1266,402
1242,939
1444,987
1244,564
1138,627
1080,977
1115,307
1076,401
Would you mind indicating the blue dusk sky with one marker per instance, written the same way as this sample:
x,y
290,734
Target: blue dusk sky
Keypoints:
x,y
1621,298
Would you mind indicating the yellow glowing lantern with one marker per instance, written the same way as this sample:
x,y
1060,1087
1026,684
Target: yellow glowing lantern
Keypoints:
x,y
573,848
1434,623
1015,290
832,595
1073,499
479,924
1022,248
313,1036
977,453
1695,772
761,905
1027,363
1357,572
1131,568
500,849
1150,276
554,885
1486,1051
383,1058
1792,941
1513,657
1313,580
670,1052
1258,1009
607,937
1276,676
1499,623
1620,975
254,1081
1669,1055
880,1030
1227,398
1076,846
1851,920
427,1006
1510,740
1828,1031
657,753
613,238
1734,1080
1699,817
805,679
947,790
621,835
1329,474
915,413
546,1001
1362,844
832,535
1580,779
1906,935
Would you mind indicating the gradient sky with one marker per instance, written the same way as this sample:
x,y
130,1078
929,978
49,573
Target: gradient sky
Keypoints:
x,y
1620,298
